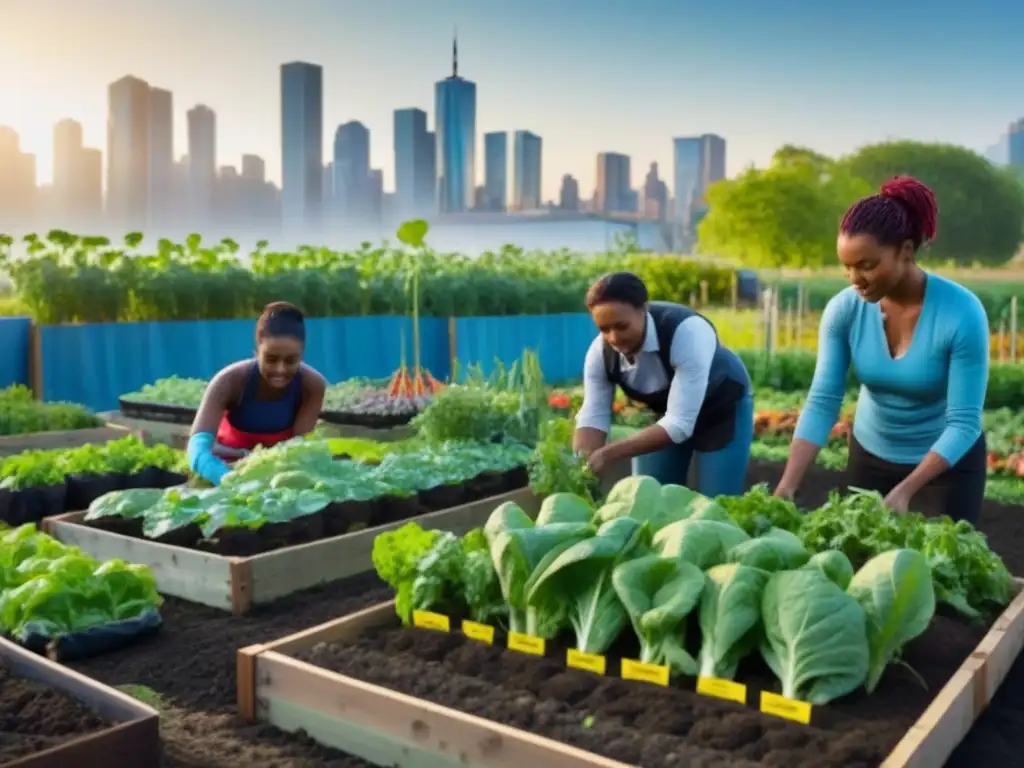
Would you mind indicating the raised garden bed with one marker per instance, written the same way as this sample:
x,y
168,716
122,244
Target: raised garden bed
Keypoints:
x,y
401,696
367,420
170,414
71,438
237,583
56,718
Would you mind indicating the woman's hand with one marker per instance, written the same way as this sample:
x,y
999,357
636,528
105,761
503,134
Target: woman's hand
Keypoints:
x,y
898,501
599,460
784,492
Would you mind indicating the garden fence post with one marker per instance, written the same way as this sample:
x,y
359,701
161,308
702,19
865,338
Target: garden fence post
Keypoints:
x,y
453,348
1013,329
35,360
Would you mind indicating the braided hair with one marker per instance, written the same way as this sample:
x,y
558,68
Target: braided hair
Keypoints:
x,y
904,209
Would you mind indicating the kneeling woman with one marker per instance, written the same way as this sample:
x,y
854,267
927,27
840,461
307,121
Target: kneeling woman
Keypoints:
x,y
258,402
668,357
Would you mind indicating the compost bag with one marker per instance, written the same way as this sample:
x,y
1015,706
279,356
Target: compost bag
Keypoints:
x,y
30,505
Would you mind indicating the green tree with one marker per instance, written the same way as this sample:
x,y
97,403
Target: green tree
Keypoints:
x,y
783,216
981,207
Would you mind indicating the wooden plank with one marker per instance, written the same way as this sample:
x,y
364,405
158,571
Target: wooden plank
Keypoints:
x,y
71,438
35,360
174,435
237,583
283,571
135,739
346,627
389,728
393,729
953,712
200,577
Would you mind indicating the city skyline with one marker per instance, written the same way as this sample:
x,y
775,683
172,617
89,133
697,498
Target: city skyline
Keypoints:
x,y
600,105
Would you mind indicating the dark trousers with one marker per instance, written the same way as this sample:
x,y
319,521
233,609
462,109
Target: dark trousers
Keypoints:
x,y
958,492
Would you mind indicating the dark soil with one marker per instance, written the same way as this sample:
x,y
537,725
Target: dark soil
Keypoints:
x,y
34,717
337,519
190,664
646,725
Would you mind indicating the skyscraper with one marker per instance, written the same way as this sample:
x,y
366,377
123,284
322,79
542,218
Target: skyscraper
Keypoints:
x,y
351,171
455,109
569,195
302,151
128,153
415,168
527,172
163,207
699,162
655,195
614,188
17,184
77,178
202,164
495,171
1015,140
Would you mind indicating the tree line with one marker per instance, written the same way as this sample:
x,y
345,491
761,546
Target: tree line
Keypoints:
x,y
786,215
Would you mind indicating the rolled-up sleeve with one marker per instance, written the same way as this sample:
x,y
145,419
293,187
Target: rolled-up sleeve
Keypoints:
x,y
598,391
825,398
968,379
693,351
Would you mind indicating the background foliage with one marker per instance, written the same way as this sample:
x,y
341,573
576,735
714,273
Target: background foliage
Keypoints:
x,y
788,214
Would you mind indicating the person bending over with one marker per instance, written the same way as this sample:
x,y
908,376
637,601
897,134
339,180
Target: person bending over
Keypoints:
x,y
919,345
668,357
262,401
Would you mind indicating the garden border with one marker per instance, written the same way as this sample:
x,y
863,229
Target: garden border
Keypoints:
x,y
135,738
68,438
390,728
236,584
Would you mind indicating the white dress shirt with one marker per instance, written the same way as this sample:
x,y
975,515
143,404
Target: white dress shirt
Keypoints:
x,y
693,349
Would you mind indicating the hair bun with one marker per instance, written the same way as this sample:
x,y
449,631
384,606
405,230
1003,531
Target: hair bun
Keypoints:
x,y
919,201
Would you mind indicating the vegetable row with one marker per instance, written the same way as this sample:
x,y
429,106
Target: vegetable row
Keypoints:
x,y
49,589
22,414
301,477
828,599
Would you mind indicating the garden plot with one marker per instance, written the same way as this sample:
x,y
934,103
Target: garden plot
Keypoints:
x,y
56,718
403,696
235,583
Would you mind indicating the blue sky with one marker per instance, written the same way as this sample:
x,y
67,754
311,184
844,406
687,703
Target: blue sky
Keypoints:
x,y
586,75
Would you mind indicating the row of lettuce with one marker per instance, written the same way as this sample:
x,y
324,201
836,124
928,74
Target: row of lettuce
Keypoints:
x,y
828,598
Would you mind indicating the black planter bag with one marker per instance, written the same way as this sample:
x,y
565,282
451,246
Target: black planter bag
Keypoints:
x,y
95,641
85,488
443,496
149,477
340,516
31,505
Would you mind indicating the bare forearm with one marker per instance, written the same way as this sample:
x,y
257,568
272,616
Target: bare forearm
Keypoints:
x,y
930,467
586,440
647,440
802,454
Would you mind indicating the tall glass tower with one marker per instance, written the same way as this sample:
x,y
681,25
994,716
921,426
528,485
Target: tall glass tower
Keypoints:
x,y
455,110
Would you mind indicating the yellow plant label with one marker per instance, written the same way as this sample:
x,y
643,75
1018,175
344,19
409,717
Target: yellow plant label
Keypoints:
x,y
645,673
484,633
428,620
526,643
780,706
588,662
722,689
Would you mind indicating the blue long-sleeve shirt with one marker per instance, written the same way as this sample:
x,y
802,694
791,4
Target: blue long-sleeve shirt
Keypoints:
x,y
929,399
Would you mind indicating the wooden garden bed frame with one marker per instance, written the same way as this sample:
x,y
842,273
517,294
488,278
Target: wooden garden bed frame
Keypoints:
x,y
133,742
71,438
393,729
237,583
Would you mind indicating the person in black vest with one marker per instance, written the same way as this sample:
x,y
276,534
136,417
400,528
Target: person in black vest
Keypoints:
x,y
668,357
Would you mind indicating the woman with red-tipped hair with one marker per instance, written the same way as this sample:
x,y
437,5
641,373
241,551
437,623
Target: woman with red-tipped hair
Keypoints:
x,y
919,345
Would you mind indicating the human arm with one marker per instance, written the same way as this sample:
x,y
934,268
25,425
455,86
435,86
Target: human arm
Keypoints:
x,y
314,387
693,351
825,398
220,393
965,401
593,422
